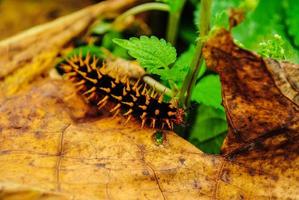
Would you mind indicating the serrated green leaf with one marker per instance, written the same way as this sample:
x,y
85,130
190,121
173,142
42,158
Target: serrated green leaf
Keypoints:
x,y
185,58
152,53
209,129
208,91
180,69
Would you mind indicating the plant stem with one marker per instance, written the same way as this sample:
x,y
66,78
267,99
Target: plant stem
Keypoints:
x,y
158,86
142,8
173,23
189,82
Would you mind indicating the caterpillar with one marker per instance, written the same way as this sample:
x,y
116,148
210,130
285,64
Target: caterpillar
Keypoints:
x,y
129,98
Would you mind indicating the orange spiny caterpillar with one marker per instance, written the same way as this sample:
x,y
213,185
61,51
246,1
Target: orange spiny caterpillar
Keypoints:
x,y
131,98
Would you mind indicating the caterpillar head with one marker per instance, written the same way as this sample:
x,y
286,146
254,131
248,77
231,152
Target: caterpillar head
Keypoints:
x,y
180,115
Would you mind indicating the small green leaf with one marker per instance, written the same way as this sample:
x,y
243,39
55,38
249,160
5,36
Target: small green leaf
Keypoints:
x,y
108,37
152,53
180,69
209,129
208,91
185,58
159,137
273,48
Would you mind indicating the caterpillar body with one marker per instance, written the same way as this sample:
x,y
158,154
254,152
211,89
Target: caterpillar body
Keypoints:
x,y
129,98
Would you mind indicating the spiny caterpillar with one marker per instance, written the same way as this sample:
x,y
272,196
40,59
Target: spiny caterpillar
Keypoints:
x,y
131,98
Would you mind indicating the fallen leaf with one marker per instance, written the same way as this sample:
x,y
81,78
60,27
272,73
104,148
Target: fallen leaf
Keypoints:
x,y
286,77
250,95
55,143
264,124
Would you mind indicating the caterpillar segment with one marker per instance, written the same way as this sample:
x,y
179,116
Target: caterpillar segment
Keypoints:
x,y
132,99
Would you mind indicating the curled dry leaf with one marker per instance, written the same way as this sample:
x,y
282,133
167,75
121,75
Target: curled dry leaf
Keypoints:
x,y
286,77
264,124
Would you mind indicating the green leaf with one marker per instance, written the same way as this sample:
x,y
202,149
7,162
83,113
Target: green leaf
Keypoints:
x,y
111,46
258,25
188,32
209,129
180,69
185,58
291,9
212,146
108,37
276,48
259,29
121,52
152,53
208,91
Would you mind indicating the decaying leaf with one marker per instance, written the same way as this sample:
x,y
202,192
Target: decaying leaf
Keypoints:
x,y
264,124
286,77
55,143
55,146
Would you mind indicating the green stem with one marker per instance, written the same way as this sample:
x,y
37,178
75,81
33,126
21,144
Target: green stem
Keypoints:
x,y
142,8
173,23
189,82
158,86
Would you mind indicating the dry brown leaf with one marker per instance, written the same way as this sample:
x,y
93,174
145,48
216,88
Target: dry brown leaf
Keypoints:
x,y
264,124
254,105
286,77
54,146
52,142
